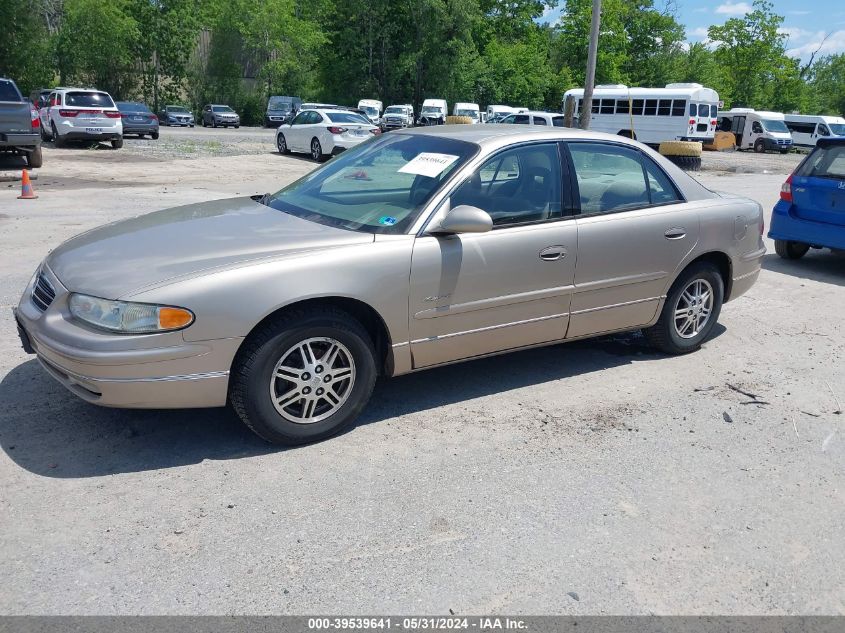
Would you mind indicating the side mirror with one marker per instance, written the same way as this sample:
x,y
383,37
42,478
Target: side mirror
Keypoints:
x,y
464,219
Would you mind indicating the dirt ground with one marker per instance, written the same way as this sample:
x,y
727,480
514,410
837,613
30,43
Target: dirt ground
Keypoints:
x,y
591,478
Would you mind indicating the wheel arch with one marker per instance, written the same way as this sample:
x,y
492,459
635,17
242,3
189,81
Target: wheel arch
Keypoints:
x,y
364,313
723,264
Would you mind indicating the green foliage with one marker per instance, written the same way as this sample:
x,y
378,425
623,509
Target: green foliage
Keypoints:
x,y
489,51
25,50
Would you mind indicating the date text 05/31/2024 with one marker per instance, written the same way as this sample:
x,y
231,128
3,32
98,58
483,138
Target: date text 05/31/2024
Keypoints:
x,y
416,623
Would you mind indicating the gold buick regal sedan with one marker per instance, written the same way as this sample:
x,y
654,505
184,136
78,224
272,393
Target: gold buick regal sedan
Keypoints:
x,y
413,250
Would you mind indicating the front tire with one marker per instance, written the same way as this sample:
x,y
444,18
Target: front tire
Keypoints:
x,y
303,377
690,311
282,144
759,146
791,250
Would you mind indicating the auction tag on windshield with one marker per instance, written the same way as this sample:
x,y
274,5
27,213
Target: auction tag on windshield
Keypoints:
x,y
428,164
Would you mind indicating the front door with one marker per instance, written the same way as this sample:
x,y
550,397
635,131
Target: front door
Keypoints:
x,y
474,294
634,230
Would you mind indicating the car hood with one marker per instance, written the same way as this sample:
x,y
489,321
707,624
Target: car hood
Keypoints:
x,y
120,259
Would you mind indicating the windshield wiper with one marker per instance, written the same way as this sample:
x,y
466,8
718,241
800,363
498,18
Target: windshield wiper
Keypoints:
x,y
262,198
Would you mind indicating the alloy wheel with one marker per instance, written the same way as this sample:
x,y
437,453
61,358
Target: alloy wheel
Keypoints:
x,y
312,380
316,150
693,309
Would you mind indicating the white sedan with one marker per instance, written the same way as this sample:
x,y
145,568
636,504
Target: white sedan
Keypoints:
x,y
323,133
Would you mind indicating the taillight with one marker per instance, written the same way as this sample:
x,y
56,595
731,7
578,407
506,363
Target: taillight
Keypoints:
x,y
786,189
713,122
113,115
154,118
337,130
68,113
33,113
692,121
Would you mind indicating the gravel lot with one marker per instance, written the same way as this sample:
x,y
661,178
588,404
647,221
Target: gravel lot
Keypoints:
x,y
590,478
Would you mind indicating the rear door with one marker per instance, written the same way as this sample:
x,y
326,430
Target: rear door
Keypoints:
x,y
634,230
818,188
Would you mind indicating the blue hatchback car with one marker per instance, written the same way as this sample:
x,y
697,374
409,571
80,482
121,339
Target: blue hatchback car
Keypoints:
x,y
811,210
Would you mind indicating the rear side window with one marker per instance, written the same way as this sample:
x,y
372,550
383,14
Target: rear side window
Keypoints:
x,y
8,92
825,162
521,119
88,100
557,121
538,120
679,107
613,178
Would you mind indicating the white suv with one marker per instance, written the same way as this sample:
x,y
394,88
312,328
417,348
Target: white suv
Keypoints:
x,y
80,114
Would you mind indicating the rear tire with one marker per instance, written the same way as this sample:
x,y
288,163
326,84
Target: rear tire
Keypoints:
x,y
35,158
687,163
57,140
262,376
117,143
791,250
154,136
674,332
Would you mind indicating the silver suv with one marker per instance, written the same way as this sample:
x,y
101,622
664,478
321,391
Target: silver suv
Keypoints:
x,y
81,114
397,116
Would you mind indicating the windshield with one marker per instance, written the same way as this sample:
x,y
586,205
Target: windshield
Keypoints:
x,y
279,103
395,110
771,125
346,117
380,186
89,99
371,110
177,109
222,109
837,128
470,113
430,109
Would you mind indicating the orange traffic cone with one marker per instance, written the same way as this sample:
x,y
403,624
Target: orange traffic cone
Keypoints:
x,y
27,192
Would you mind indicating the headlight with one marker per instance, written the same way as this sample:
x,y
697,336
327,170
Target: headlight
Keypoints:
x,y
127,317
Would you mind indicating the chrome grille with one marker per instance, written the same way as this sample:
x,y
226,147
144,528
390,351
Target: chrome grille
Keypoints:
x,y
42,293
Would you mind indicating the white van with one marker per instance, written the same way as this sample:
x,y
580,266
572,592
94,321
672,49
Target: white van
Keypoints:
x,y
756,129
496,110
468,109
678,112
806,129
433,112
372,107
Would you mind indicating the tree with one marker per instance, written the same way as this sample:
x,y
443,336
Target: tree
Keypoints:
x,y
25,47
96,46
827,82
751,50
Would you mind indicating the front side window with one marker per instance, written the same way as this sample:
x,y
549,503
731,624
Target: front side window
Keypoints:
x,y
613,178
521,119
756,128
379,186
538,120
516,186
823,131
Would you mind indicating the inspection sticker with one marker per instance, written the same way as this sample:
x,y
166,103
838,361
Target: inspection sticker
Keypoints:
x,y
387,221
428,164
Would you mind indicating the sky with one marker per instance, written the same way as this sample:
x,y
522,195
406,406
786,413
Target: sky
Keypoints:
x,y
806,23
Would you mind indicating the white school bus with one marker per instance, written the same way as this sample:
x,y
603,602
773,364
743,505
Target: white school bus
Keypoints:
x,y
678,112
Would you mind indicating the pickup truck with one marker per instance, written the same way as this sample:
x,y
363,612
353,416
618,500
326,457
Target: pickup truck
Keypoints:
x,y
19,125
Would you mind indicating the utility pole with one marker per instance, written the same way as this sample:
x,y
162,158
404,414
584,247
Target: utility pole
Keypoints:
x,y
589,84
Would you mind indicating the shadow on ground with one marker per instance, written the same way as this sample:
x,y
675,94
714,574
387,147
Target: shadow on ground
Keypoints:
x,y
50,432
822,265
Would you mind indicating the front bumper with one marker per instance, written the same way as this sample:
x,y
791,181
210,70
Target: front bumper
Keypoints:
x,y
779,145
226,122
130,371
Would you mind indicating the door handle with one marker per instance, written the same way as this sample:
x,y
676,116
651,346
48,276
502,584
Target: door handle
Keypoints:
x,y
552,253
675,233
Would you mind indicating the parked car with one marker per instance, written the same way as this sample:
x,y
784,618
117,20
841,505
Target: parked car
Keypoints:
x,y
323,133
470,110
398,116
220,116
433,112
176,115
19,125
40,97
280,110
373,108
420,248
807,129
534,118
811,210
81,114
138,119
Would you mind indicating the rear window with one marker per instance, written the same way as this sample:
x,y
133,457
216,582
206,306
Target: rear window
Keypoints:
x,y
825,162
346,117
132,107
88,100
8,92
